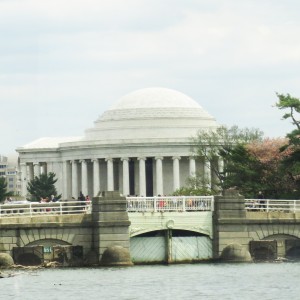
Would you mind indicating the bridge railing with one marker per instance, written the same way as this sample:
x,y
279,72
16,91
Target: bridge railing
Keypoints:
x,y
134,204
269,205
172,203
35,208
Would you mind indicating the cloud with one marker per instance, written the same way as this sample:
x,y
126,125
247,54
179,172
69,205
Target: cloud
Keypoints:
x,y
62,61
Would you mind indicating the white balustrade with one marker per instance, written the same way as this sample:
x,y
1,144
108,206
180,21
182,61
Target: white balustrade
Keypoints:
x,y
32,209
143,204
172,203
270,205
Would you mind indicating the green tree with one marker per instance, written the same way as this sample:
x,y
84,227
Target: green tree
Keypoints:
x,y
3,189
292,162
292,104
223,142
196,186
42,186
243,171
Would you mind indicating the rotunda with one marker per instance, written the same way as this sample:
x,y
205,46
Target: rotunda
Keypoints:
x,y
140,146
149,114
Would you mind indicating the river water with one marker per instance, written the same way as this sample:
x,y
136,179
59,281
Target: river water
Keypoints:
x,y
187,281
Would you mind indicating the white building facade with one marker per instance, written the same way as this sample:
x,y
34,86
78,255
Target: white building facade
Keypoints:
x,y
9,171
140,146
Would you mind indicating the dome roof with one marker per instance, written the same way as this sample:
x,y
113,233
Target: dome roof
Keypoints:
x,y
154,97
151,113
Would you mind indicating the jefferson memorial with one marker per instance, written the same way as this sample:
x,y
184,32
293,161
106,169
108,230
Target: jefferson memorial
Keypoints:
x,y
141,146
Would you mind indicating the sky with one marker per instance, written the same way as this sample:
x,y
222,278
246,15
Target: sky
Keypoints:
x,y
64,62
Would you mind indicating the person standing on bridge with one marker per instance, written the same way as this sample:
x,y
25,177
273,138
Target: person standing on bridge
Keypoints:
x,y
81,199
87,202
262,201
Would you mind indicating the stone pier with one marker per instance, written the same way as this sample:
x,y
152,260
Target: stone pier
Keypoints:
x,y
110,223
230,229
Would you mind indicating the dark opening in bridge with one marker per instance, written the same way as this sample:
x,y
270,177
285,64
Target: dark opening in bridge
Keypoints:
x,y
28,255
293,253
292,247
179,233
264,253
29,259
175,233
263,250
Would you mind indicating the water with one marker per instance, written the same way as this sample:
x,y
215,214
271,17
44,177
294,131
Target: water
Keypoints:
x,y
189,281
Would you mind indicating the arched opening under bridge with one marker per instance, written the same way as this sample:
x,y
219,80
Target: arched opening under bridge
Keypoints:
x,y
293,253
170,246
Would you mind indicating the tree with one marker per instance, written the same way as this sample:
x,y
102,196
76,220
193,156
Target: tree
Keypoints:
x,y
275,178
196,186
42,186
292,162
251,162
243,171
3,189
257,165
292,104
220,143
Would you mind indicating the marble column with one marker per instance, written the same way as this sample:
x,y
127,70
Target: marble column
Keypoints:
x,y
36,169
65,180
84,177
176,173
110,174
75,192
126,190
30,172
43,168
192,166
142,176
24,179
159,176
96,177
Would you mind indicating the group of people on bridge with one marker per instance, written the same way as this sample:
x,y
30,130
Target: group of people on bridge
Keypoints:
x,y
168,203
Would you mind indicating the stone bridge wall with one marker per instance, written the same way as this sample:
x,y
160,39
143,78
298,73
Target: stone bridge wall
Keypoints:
x,y
106,227
233,225
41,232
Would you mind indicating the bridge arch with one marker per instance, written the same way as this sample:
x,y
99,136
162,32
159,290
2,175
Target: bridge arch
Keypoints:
x,y
31,236
38,251
275,246
281,237
170,245
287,245
42,244
47,242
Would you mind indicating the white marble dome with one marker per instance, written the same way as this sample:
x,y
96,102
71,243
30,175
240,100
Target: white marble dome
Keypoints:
x,y
151,113
154,97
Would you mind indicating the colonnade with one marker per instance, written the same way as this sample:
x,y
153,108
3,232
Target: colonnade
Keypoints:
x,y
125,188
92,175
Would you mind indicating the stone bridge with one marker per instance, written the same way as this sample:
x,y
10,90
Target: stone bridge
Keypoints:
x,y
153,231
267,231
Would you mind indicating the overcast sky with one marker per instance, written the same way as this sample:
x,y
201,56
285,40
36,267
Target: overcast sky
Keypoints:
x,y
64,62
